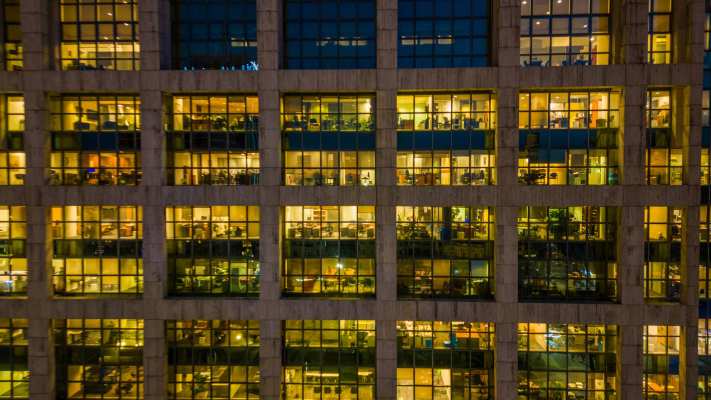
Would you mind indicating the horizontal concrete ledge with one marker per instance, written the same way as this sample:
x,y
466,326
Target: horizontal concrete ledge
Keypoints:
x,y
234,308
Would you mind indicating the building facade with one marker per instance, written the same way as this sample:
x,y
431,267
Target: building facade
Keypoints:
x,y
355,199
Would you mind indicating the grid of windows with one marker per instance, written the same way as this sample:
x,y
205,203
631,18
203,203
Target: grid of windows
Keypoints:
x,y
329,250
99,34
329,34
445,360
569,138
211,34
662,253
97,250
11,36
664,158
659,38
567,253
329,140
329,359
213,250
99,358
441,33
567,361
95,140
445,252
14,368
661,362
446,139
213,140
13,251
12,126
212,359
565,32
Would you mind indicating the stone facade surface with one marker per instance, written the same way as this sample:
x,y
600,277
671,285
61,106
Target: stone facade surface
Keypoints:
x,y
42,77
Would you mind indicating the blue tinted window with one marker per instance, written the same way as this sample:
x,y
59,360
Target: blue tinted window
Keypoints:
x,y
443,33
329,34
215,34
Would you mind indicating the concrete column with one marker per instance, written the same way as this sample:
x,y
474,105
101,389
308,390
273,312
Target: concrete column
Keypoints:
x,y
34,16
155,360
507,33
269,29
634,31
629,360
149,24
41,359
633,143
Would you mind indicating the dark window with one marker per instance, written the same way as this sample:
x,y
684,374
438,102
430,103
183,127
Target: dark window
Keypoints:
x,y
445,252
11,36
215,34
445,360
446,139
328,359
99,358
329,140
443,33
565,32
96,140
569,138
213,140
560,361
662,253
567,254
213,359
323,34
99,34
97,250
213,251
14,367
329,251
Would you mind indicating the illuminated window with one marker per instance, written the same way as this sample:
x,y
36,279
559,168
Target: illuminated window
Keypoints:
x,y
97,250
213,250
705,252
659,45
661,362
570,361
706,136
569,138
329,250
96,140
99,34
662,253
11,36
564,32
567,253
664,158
99,358
449,33
329,34
13,251
445,360
445,252
213,359
14,368
704,349
218,34
446,139
328,360
212,140
12,142
329,140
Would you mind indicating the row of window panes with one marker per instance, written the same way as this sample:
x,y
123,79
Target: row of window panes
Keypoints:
x,y
543,349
